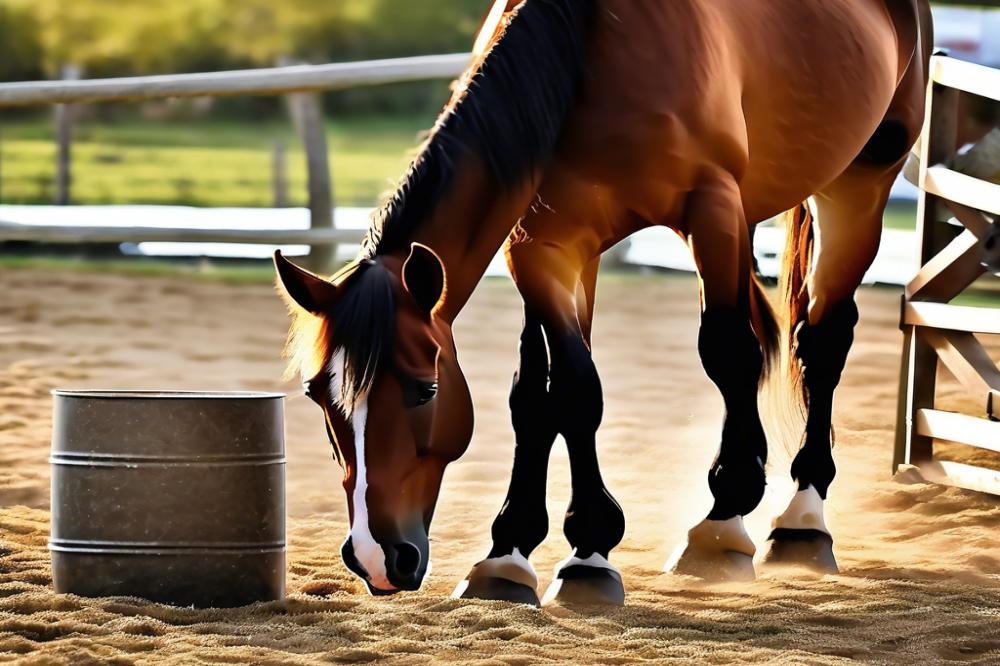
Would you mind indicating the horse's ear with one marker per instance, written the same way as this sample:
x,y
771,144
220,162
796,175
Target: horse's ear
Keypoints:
x,y
423,276
311,292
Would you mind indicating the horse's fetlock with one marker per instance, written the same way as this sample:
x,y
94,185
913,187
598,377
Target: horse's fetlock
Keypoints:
x,y
814,466
595,523
738,486
519,526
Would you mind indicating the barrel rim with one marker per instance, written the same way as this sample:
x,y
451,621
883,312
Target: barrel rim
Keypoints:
x,y
165,394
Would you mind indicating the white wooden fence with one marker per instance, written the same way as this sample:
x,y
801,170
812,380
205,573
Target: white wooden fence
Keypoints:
x,y
936,333
270,81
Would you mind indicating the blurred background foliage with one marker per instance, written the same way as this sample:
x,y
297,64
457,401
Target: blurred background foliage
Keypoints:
x,y
128,37
217,152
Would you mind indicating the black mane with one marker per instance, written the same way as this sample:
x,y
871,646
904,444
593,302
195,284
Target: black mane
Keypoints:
x,y
363,329
511,115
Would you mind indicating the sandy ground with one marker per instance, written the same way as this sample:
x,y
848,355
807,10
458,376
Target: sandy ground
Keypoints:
x,y
920,564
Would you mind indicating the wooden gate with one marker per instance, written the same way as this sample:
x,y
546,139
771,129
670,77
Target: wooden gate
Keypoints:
x,y
933,330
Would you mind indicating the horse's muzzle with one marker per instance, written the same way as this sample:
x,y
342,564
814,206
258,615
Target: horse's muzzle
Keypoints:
x,y
406,564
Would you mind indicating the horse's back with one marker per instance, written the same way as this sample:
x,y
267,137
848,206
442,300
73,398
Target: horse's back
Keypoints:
x,y
784,94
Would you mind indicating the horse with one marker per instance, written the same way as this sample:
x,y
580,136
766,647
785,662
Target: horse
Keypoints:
x,y
578,123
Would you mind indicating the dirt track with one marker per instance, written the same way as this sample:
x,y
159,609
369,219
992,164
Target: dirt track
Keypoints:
x,y
920,564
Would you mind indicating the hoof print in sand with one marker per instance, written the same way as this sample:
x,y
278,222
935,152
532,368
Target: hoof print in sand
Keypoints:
x,y
496,589
583,585
810,549
714,566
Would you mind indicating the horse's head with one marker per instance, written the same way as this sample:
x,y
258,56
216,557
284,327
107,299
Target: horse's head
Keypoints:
x,y
375,355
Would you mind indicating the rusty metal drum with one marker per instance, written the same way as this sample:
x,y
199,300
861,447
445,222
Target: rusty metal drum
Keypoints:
x,y
177,497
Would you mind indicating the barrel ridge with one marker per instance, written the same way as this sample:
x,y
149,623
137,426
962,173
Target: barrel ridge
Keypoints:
x,y
167,426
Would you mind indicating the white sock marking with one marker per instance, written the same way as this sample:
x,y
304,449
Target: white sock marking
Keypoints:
x,y
595,560
514,567
804,512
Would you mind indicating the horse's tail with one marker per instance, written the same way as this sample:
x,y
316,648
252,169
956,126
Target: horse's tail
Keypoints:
x,y
795,263
765,325
783,391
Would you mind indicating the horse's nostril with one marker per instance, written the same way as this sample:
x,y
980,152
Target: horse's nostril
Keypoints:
x,y
991,242
407,559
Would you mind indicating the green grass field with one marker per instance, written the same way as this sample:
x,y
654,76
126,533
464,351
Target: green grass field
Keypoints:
x,y
215,163
202,162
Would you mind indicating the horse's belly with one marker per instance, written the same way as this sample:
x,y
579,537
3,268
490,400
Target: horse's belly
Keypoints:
x,y
811,108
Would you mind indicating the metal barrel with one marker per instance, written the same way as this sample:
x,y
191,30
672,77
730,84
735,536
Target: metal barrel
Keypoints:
x,y
177,497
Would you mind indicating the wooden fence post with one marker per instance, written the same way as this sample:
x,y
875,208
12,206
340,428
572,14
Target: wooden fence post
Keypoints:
x,y
307,114
279,174
64,139
918,376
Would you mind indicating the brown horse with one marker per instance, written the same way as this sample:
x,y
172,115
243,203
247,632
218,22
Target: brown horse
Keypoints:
x,y
578,123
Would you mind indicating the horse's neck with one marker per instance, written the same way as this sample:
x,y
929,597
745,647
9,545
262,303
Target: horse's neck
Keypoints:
x,y
469,226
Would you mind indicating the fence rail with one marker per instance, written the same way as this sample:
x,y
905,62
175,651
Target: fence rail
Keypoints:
x,y
269,81
936,333
66,234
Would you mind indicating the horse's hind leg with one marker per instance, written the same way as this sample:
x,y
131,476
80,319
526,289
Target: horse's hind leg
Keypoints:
x,y
719,548
847,233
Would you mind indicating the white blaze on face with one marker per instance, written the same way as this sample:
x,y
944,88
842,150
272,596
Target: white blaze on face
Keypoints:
x,y
366,549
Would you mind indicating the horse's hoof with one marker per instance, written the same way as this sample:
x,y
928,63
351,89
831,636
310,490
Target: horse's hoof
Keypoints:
x,y
811,549
585,585
717,551
505,578
496,589
714,566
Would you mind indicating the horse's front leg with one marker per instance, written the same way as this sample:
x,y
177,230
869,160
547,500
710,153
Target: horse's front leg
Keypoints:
x,y
554,284
718,548
523,522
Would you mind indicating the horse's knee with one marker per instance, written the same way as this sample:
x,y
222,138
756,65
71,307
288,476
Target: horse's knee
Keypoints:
x,y
730,351
574,387
822,347
529,396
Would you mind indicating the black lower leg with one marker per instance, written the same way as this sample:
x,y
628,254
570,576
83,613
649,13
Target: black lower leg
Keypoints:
x,y
594,521
732,357
523,521
822,350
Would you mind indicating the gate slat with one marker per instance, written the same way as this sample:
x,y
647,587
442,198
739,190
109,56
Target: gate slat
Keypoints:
x,y
950,271
962,476
976,79
969,430
953,317
966,358
966,190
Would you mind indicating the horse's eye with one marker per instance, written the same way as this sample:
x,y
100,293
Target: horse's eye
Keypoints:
x,y
417,392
